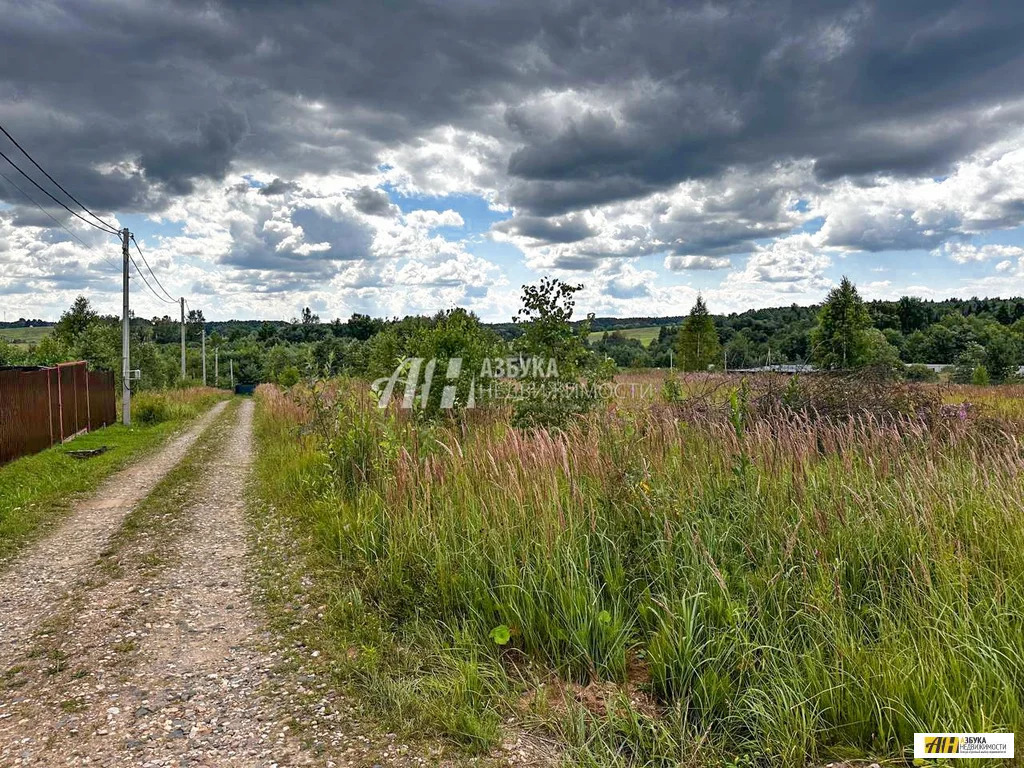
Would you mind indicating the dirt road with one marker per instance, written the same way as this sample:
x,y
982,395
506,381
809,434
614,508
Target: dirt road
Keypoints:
x,y
51,570
158,658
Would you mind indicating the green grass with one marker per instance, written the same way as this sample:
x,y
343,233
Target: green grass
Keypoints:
x,y
646,335
25,335
35,491
414,681
771,591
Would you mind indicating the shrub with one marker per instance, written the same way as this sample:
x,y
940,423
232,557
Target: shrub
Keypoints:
x,y
289,377
150,409
920,372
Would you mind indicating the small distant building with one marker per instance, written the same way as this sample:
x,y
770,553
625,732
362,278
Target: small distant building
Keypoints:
x,y
780,368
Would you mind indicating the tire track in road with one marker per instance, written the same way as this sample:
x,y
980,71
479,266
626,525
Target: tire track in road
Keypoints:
x,y
33,587
195,685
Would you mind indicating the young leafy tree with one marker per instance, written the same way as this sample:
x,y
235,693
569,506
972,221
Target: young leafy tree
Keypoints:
x,y
548,335
1002,354
9,355
967,363
194,323
73,323
546,317
841,340
882,355
698,344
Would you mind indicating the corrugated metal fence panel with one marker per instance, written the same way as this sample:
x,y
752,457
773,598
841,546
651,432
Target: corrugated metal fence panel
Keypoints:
x,y
24,413
102,406
51,393
39,408
66,387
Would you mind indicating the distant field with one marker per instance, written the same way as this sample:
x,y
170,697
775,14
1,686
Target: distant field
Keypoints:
x,y
25,335
645,335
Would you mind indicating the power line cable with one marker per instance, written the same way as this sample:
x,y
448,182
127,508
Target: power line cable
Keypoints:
x,y
57,221
143,276
58,202
57,183
151,272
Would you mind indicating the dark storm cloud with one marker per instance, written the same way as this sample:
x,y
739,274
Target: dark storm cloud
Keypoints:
x,y
570,229
177,161
372,202
278,187
133,107
25,216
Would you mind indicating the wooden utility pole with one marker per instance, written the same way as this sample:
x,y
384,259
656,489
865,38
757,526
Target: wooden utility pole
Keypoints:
x,y
183,337
126,389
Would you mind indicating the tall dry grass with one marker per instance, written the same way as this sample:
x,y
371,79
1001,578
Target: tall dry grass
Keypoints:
x,y
772,586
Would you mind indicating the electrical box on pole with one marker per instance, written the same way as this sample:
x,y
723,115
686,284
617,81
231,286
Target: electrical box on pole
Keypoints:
x,y
126,389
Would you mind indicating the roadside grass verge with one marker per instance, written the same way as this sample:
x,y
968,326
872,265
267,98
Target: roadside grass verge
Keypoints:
x,y
416,681
652,590
37,490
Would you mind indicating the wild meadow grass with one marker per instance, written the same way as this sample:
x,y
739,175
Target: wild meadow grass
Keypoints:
x,y
646,588
35,490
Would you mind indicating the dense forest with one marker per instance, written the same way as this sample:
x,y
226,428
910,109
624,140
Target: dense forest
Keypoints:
x,y
966,332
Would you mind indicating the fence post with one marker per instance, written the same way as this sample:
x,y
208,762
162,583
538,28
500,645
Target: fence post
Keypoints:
x,y
74,381
60,405
49,403
88,402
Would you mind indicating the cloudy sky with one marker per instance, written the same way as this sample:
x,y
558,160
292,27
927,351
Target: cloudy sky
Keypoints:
x,y
395,157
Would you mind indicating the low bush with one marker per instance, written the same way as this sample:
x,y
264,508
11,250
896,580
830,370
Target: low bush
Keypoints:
x,y
919,372
152,407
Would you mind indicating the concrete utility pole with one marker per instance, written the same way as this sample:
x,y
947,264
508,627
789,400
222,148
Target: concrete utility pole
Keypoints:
x,y
183,337
204,354
126,390
216,366
231,366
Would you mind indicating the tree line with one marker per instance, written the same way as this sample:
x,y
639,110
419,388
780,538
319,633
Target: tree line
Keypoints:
x,y
980,339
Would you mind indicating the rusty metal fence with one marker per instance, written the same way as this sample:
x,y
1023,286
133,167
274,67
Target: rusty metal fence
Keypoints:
x,y
40,407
